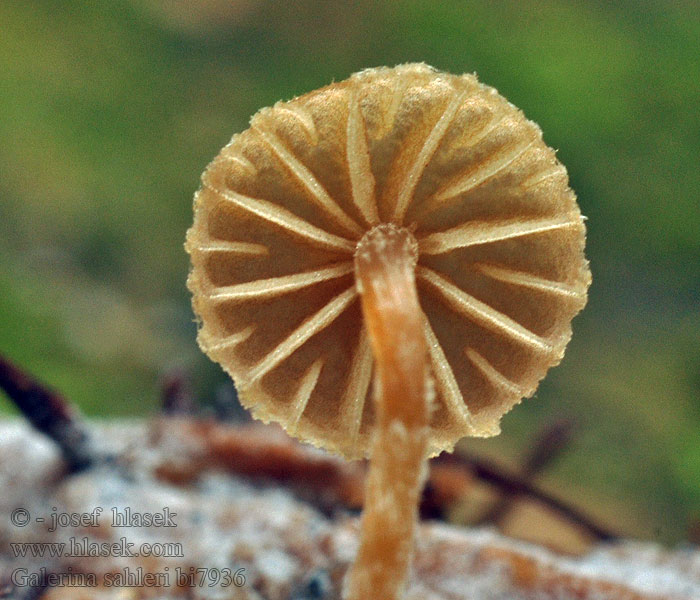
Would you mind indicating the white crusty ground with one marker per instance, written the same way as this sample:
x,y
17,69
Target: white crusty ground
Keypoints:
x,y
288,549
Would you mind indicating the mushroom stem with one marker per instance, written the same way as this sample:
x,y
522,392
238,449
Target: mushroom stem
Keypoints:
x,y
385,273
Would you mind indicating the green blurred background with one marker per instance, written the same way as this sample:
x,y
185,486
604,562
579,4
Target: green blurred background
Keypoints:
x,y
110,110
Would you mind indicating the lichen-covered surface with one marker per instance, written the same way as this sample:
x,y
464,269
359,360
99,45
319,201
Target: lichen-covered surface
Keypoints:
x,y
276,545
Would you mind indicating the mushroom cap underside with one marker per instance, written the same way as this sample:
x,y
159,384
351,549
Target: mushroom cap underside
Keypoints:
x,y
501,270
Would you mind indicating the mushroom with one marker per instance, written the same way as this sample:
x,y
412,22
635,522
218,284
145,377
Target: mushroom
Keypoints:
x,y
404,235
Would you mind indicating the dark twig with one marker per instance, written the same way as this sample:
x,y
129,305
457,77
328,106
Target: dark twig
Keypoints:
x,y
549,445
48,412
517,486
176,393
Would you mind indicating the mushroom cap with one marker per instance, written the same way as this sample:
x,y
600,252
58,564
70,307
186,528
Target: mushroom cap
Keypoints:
x,y
501,269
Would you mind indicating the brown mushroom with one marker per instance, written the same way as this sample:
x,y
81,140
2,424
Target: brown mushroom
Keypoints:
x,y
435,201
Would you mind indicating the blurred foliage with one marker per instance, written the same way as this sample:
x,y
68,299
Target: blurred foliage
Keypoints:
x,y
110,111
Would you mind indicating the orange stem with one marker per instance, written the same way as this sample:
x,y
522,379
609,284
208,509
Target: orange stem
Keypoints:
x,y
385,271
